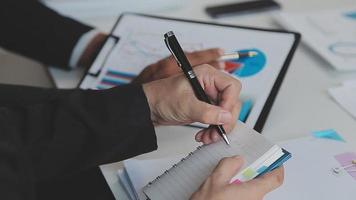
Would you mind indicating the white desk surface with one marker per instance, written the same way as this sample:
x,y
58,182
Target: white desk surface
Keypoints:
x,y
302,104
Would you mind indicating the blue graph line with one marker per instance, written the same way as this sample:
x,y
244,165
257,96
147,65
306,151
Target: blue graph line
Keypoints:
x,y
113,82
121,74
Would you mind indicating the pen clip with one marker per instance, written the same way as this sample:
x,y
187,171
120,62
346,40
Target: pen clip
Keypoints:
x,y
169,48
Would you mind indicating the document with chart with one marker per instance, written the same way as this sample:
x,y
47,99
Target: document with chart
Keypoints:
x,y
330,33
137,41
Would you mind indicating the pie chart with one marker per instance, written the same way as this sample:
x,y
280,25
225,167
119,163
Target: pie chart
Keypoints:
x,y
247,66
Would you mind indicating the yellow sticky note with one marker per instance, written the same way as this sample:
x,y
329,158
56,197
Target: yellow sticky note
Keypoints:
x,y
249,173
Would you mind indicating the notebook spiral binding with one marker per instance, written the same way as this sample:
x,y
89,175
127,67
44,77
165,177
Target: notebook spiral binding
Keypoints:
x,y
173,166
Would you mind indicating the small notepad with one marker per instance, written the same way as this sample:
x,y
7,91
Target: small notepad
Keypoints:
x,y
185,177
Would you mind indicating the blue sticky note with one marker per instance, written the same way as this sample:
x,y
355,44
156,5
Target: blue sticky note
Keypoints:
x,y
261,169
245,110
328,134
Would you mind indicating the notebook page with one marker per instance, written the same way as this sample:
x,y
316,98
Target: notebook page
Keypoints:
x,y
185,177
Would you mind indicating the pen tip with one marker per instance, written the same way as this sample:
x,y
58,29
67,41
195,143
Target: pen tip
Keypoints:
x,y
226,139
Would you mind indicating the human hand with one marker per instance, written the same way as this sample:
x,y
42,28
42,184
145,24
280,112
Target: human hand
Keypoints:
x,y
217,186
168,66
173,102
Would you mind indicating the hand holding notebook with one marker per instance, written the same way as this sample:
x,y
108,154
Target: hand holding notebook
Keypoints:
x,y
217,185
185,177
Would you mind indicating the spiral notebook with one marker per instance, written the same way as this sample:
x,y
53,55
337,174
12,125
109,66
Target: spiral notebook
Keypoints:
x,y
185,177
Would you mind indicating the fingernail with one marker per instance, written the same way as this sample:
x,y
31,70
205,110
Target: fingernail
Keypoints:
x,y
224,117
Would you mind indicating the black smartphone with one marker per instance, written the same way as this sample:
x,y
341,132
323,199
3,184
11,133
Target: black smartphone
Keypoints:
x,y
241,7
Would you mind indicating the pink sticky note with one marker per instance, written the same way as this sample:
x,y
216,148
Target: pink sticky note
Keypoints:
x,y
346,159
237,182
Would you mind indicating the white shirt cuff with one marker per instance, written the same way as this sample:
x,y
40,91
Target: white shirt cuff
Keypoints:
x,y
80,47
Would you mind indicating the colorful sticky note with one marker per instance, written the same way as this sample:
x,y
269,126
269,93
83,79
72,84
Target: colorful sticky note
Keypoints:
x,y
346,159
237,182
328,134
249,173
245,110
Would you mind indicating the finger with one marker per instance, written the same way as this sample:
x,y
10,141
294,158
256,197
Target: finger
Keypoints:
x,y
225,90
227,169
204,56
218,85
235,111
267,182
206,139
208,114
228,93
217,64
210,135
234,108
213,134
228,126
199,136
229,99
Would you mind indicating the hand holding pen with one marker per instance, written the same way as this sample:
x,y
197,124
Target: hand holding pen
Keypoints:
x,y
183,63
172,101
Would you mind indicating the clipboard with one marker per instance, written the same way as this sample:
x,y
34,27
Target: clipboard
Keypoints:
x,y
97,69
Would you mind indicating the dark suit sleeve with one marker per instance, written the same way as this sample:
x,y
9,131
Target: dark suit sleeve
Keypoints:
x,y
46,133
33,30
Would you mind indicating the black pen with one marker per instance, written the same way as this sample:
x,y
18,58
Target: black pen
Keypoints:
x,y
177,52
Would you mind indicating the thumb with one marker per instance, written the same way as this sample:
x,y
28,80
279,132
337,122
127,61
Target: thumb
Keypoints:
x,y
227,169
267,182
209,114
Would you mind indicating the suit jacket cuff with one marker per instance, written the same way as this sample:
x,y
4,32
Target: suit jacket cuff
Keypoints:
x,y
136,123
80,47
